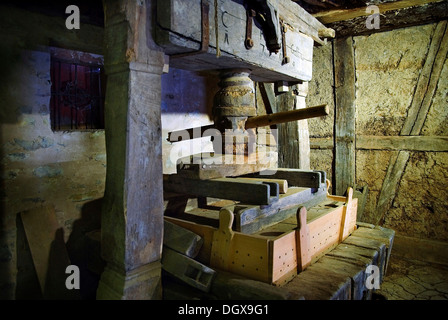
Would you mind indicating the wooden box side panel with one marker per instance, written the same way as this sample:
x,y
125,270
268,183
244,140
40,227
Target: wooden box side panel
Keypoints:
x,y
249,256
325,233
350,218
284,258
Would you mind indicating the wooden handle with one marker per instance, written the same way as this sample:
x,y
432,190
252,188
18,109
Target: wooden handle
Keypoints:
x,y
287,116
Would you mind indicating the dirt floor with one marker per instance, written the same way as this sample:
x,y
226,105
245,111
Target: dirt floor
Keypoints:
x,y
414,280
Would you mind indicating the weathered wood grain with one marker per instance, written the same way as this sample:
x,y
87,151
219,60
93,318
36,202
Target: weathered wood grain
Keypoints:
x,y
181,240
408,143
251,192
344,131
179,31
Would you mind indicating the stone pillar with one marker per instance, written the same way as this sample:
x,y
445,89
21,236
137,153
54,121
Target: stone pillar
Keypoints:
x,y
132,214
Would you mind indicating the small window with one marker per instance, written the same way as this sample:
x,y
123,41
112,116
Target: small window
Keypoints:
x,y
77,94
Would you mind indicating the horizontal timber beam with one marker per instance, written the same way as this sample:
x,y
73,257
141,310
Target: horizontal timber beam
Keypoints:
x,y
393,143
347,14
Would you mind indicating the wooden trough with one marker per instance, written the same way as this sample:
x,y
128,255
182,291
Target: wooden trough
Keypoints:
x,y
277,253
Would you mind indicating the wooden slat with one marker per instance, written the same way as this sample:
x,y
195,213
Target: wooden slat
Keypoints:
x,y
296,177
204,231
282,183
222,243
393,143
224,188
427,81
181,240
372,244
344,114
284,258
303,240
408,143
384,235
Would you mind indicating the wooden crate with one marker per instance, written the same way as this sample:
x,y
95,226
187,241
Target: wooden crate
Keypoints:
x,y
276,254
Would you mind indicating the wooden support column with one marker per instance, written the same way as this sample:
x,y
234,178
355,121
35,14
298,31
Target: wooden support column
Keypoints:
x,y
344,73
132,214
294,143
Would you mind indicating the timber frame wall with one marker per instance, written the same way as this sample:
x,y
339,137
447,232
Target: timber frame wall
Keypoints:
x,y
345,141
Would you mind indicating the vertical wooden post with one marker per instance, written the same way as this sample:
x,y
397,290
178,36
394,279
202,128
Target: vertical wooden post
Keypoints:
x,y
302,240
344,68
294,143
302,128
132,214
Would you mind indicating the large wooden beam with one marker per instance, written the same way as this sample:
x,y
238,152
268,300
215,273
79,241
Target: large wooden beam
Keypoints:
x,y
389,20
132,215
346,14
344,131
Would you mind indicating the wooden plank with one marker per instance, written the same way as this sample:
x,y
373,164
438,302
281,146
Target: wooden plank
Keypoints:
x,y
325,232
382,234
296,177
282,183
388,191
187,270
394,19
407,143
230,286
250,219
47,246
361,194
344,114
437,66
304,22
302,126
250,257
204,231
317,284
427,81
321,143
222,243
345,14
179,31
303,240
223,188
358,256
284,258
374,244
355,272
181,240
210,166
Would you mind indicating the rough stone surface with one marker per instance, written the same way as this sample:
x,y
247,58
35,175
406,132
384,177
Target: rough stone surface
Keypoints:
x,y
39,166
414,280
420,208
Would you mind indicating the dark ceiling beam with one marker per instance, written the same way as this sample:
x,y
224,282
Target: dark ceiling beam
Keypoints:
x,y
393,15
